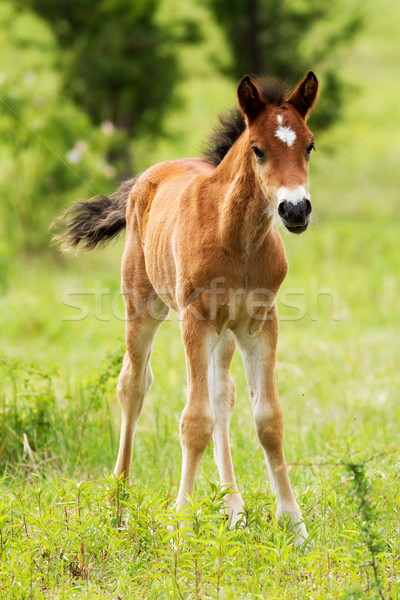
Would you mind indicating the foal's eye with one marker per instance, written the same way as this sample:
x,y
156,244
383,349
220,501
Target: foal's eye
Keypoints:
x,y
259,154
309,149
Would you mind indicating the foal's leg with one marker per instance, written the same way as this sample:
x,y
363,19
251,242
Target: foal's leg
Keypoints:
x,y
135,378
222,396
259,356
197,421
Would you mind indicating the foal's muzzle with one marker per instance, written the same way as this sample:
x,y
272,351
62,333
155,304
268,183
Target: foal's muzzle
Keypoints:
x,y
295,216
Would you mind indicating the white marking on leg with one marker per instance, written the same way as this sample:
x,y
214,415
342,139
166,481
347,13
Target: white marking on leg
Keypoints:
x,y
285,133
222,392
266,409
293,195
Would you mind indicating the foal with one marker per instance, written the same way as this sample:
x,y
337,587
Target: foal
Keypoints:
x,y
201,239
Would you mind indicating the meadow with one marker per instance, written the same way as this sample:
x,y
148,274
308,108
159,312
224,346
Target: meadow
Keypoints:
x,y
62,330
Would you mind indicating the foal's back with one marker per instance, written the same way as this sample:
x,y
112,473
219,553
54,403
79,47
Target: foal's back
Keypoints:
x,y
168,212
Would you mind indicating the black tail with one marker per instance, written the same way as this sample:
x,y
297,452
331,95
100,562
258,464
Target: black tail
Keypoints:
x,y
87,225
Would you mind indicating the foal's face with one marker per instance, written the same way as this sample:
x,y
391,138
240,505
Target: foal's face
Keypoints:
x,y
281,145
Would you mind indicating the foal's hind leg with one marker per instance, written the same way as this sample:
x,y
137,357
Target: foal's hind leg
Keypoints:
x,y
222,396
136,376
259,352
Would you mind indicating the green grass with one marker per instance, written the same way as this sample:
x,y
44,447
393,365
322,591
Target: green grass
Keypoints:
x,y
338,383
62,540
337,375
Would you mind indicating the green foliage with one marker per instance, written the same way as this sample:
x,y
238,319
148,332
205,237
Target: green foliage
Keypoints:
x,y
118,62
78,81
367,522
100,538
287,39
36,427
49,151
30,419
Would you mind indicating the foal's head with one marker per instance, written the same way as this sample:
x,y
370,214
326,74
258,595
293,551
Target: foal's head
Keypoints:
x,y
281,144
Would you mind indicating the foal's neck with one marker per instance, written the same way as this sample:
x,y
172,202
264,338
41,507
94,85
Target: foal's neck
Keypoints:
x,y
244,212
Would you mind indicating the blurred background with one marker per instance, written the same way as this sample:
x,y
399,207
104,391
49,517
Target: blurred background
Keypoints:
x,y
95,92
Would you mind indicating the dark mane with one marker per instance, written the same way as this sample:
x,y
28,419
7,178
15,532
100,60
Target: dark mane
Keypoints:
x,y
231,124
272,90
229,128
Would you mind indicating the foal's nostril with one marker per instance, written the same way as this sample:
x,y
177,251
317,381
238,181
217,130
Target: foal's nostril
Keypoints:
x,y
307,207
282,209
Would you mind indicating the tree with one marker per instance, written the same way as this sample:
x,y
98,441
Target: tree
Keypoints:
x,y
285,39
50,152
118,62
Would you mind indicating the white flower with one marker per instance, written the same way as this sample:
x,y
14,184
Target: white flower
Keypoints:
x,y
108,127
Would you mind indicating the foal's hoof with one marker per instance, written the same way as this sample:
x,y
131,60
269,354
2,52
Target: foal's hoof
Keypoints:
x,y
291,519
301,534
237,520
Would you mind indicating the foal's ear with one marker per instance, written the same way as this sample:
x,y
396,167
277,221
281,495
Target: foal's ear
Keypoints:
x,y
304,97
249,97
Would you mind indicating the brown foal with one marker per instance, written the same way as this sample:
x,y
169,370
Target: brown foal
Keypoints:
x,y
201,239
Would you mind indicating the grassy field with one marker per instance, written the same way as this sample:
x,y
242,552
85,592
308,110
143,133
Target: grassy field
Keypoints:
x,y
337,375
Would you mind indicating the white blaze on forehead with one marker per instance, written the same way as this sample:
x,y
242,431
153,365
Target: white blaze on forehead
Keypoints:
x,y
285,133
292,195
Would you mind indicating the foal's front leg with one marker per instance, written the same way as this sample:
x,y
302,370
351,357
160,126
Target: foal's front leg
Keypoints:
x,y
259,356
197,421
222,397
